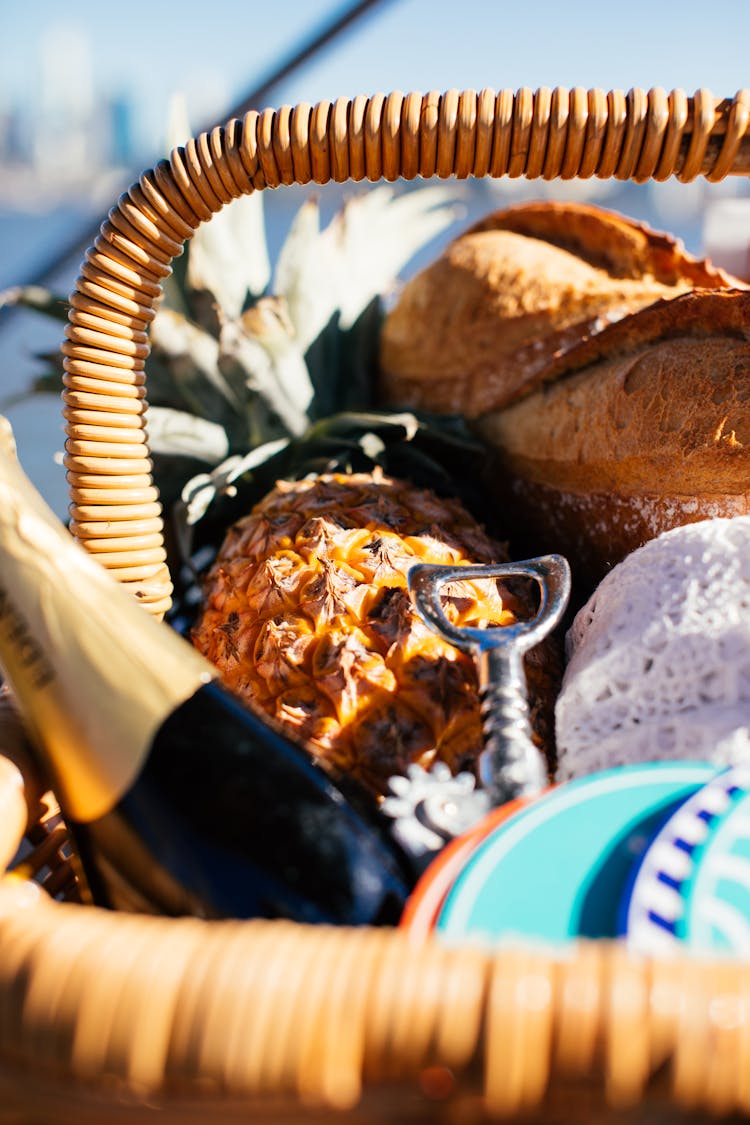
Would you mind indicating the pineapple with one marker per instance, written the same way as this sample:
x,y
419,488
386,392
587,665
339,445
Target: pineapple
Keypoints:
x,y
307,615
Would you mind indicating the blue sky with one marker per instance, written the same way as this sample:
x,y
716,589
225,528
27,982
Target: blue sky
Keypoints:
x,y
215,52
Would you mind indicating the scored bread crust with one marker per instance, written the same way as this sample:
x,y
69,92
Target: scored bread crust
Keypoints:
x,y
640,429
518,291
620,245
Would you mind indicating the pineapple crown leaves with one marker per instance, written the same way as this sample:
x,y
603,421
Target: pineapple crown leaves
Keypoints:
x,y
229,258
297,345
261,355
339,271
292,348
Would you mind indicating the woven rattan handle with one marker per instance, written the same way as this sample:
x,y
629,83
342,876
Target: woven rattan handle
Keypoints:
x,y
550,134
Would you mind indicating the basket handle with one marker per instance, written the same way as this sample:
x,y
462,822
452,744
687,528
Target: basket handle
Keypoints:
x,y
549,134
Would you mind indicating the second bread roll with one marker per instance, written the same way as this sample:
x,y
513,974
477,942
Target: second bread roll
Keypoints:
x,y
640,429
477,328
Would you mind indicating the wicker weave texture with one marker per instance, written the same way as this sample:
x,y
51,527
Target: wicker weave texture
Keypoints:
x,y
551,134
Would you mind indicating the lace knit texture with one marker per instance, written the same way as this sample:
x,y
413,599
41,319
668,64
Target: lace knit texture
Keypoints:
x,y
659,657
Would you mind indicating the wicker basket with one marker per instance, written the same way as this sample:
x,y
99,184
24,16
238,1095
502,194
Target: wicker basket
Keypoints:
x,y
110,1017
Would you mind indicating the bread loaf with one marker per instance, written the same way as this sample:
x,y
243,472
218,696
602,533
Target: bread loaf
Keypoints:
x,y
639,429
475,329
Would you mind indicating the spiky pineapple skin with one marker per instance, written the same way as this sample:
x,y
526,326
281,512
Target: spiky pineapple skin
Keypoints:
x,y
306,614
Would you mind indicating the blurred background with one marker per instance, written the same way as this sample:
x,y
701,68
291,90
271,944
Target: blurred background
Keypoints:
x,y
88,91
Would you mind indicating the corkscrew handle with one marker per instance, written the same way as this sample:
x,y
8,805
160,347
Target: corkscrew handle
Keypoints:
x,y
510,765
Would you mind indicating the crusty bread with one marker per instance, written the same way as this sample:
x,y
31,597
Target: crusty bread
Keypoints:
x,y
475,329
637,430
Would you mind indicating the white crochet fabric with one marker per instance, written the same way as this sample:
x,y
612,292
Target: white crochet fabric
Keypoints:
x,y
659,657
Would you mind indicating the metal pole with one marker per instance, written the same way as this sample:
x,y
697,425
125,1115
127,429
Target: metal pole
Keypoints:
x,y
305,52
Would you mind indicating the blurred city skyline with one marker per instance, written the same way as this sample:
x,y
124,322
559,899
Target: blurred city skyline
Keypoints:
x,y
67,114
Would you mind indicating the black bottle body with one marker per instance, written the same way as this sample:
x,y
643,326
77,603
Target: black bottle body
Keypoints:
x,y
228,818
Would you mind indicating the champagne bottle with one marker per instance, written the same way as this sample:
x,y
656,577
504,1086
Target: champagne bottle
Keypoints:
x,y
179,799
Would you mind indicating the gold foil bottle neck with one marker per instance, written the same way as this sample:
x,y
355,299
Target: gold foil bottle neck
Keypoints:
x,y
95,676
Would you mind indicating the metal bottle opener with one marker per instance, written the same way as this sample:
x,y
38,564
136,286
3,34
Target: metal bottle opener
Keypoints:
x,y
431,807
